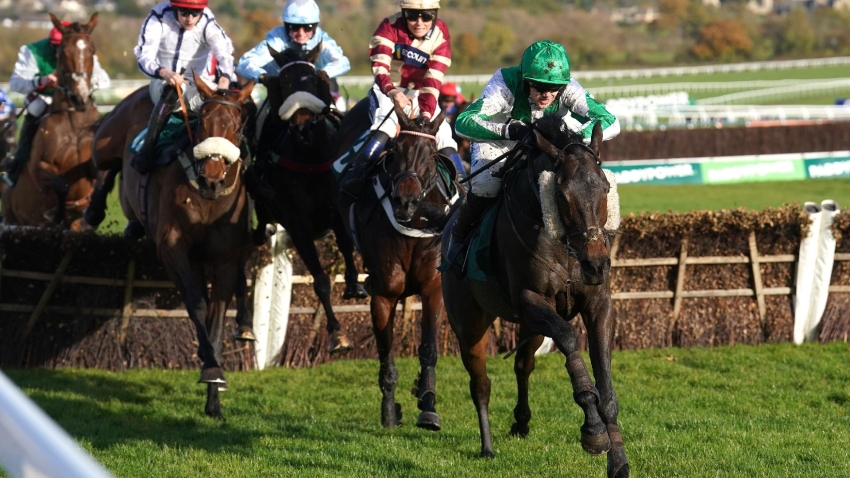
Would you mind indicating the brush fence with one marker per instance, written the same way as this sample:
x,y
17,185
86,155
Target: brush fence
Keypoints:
x,y
699,279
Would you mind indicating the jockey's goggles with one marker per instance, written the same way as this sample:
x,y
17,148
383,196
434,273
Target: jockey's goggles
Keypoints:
x,y
189,12
425,15
294,27
545,87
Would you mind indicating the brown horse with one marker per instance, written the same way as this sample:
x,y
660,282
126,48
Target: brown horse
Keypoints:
x,y
296,155
402,264
196,212
59,176
550,252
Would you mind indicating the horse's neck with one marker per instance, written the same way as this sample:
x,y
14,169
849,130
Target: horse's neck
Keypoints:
x,y
78,119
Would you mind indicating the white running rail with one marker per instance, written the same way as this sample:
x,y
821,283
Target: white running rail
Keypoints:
x,y
32,445
690,116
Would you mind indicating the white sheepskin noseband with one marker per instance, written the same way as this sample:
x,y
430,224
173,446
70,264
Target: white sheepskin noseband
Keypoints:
x,y
298,100
553,225
217,146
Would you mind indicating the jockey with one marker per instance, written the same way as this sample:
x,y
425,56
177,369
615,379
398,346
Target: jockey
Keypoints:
x,y
177,38
513,98
410,52
450,98
35,76
300,31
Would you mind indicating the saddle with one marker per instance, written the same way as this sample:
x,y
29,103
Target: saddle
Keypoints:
x,y
171,138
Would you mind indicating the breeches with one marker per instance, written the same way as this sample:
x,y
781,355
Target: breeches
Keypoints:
x,y
382,106
190,94
483,153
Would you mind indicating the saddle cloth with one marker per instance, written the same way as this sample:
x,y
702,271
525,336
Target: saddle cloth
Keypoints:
x,y
173,130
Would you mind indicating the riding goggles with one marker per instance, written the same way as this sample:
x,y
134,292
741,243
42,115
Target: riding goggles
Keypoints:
x,y
425,15
294,27
190,12
545,87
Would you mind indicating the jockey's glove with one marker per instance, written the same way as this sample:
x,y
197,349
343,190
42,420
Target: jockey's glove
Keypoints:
x,y
517,130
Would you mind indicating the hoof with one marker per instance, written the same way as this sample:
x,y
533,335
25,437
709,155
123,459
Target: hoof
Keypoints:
x,y
596,444
222,387
245,334
338,342
93,217
356,291
429,421
487,454
519,431
212,375
134,230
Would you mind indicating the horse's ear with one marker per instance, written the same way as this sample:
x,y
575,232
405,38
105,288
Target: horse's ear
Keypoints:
x,y
88,27
276,55
203,87
313,55
548,148
434,126
403,120
596,138
58,24
246,92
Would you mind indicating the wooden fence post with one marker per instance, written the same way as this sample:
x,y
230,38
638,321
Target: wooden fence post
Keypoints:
x,y
759,290
127,312
680,287
51,288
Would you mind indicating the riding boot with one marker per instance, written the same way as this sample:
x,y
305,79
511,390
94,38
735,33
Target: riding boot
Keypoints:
x,y
22,154
144,161
471,211
362,165
452,154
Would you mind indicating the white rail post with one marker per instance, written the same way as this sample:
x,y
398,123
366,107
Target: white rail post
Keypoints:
x,y
806,272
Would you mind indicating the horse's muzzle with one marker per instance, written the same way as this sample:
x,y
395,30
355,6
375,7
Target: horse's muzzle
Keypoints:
x,y
593,270
403,210
210,188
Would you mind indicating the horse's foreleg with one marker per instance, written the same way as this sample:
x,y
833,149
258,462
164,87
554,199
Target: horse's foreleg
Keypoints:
x,y
244,318
303,242
426,385
224,280
353,289
472,337
95,213
193,292
383,317
523,366
599,321
264,219
61,188
541,319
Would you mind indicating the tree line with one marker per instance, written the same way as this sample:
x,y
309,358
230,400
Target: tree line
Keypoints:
x,y
489,34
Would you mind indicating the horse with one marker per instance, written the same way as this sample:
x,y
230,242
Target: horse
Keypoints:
x,y
59,176
399,253
550,250
195,210
296,150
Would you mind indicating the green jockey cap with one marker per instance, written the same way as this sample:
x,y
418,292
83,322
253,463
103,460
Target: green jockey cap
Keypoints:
x,y
546,62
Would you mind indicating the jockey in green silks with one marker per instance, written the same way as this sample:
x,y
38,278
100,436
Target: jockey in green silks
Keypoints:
x,y
514,98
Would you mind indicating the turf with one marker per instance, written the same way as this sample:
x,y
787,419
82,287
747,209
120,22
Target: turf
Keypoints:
x,y
741,411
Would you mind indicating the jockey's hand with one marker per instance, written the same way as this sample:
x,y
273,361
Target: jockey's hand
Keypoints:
x,y
517,130
172,77
223,83
48,80
399,98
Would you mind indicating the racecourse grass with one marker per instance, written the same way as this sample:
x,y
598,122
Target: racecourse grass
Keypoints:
x,y
739,411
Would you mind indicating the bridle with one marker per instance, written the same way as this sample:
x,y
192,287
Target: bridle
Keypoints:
x,y
425,185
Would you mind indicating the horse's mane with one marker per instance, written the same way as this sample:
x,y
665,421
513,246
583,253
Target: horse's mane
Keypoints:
x,y
553,128
290,55
76,27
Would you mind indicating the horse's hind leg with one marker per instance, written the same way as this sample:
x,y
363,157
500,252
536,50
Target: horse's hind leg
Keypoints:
x,y
303,242
523,366
383,317
353,289
425,388
96,212
244,319
600,335
540,318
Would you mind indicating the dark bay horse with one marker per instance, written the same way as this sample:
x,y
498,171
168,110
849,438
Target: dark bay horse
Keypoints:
x,y
59,177
196,212
551,259
299,143
401,264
